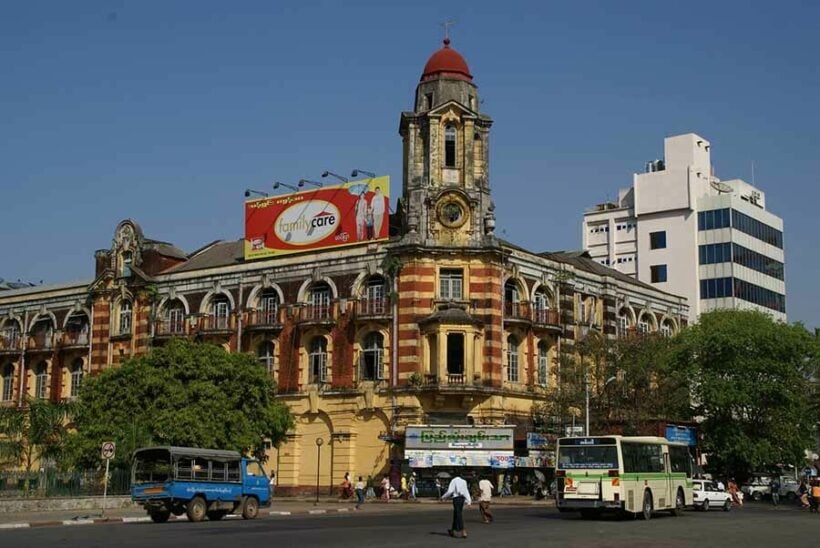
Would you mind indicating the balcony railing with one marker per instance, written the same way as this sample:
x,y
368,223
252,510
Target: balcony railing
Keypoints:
x,y
41,341
216,324
11,343
447,379
546,317
75,337
262,318
316,313
170,328
517,311
373,308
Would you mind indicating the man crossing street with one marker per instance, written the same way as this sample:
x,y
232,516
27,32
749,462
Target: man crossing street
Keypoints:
x,y
458,491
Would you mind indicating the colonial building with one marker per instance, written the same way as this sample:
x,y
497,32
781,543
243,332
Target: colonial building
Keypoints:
x,y
444,323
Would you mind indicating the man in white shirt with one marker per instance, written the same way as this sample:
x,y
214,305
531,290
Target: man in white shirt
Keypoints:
x,y
486,489
458,491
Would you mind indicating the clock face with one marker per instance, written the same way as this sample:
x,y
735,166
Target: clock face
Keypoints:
x,y
451,213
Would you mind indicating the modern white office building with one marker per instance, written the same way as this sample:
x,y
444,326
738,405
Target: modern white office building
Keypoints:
x,y
685,231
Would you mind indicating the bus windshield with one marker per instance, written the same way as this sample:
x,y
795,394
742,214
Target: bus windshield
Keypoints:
x,y
591,456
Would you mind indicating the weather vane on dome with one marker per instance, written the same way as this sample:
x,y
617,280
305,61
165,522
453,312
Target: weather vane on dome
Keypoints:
x,y
447,24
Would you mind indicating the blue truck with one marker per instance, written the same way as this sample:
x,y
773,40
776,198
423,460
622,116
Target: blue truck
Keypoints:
x,y
198,482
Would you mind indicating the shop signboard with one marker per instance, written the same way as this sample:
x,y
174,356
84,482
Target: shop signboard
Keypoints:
x,y
422,458
538,441
683,434
319,218
496,438
536,459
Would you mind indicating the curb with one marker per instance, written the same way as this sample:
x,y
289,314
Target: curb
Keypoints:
x,y
147,519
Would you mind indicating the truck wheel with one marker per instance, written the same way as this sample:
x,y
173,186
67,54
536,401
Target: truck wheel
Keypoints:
x,y
251,508
791,495
680,503
727,505
197,509
757,496
159,516
646,509
705,505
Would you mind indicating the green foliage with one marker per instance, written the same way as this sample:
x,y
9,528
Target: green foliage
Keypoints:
x,y
35,433
183,393
749,381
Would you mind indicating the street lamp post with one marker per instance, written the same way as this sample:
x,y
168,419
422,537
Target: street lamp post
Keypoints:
x,y
319,442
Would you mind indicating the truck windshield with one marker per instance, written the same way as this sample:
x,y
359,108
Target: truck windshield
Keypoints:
x,y
593,456
152,467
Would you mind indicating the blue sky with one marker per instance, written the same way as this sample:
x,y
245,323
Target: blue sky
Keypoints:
x,y
165,112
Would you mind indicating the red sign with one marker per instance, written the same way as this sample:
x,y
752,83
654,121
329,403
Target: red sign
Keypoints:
x,y
335,216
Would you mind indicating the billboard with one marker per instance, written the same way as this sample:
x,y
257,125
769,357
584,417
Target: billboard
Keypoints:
x,y
459,437
319,218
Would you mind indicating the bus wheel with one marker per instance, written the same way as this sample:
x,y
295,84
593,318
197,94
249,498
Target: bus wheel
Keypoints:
x,y
680,503
197,509
646,512
251,508
216,515
159,516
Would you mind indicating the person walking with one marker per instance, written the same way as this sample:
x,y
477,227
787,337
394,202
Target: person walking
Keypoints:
x,y
486,494
403,493
438,488
272,483
359,493
774,487
386,489
371,493
411,485
458,491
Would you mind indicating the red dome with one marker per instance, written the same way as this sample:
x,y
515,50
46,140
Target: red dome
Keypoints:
x,y
448,63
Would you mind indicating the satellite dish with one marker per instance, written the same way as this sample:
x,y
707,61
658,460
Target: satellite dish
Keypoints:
x,y
723,188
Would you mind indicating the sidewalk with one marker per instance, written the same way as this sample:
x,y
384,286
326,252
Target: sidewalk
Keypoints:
x,y
281,507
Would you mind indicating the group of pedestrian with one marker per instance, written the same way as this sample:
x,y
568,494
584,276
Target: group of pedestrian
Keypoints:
x,y
459,492
809,494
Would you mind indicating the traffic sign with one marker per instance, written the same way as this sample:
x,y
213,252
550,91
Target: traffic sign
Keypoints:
x,y
108,449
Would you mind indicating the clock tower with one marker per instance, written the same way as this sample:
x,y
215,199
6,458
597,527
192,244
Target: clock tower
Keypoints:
x,y
446,186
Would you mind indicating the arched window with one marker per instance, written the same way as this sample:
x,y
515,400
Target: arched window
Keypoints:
x,y
41,378
265,355
269,307
449,146
543,363
374,302
317,360
8,382
643,324
372,360
10,336
623,322
76,329
127,260
541,304
76,378
511,300
667,328
319,304
220,311
512,358
175,318
125,318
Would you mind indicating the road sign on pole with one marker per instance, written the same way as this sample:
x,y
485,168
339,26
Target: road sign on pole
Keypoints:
x,y
107,452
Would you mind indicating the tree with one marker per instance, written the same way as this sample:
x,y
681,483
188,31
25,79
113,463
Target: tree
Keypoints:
x,y
183,393
749,382
34,433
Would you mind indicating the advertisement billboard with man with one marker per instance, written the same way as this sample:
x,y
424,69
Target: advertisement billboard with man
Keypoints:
x,y
347,214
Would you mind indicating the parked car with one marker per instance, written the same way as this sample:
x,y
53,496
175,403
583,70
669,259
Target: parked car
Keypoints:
x,y
759,486
705,495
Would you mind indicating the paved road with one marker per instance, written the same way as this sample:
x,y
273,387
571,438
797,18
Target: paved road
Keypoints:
x,y
426,526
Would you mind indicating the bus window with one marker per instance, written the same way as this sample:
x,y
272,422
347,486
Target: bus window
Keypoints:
x,y
680,460
593,456
642,457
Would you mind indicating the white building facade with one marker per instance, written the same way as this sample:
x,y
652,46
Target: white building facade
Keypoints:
x,y
685,231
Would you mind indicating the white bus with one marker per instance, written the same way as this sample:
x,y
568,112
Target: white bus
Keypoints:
x,y
635,475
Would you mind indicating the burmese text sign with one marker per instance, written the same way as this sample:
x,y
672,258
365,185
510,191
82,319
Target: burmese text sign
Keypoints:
x,y
334,216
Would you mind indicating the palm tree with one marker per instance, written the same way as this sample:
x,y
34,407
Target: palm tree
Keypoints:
x,y
34,433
